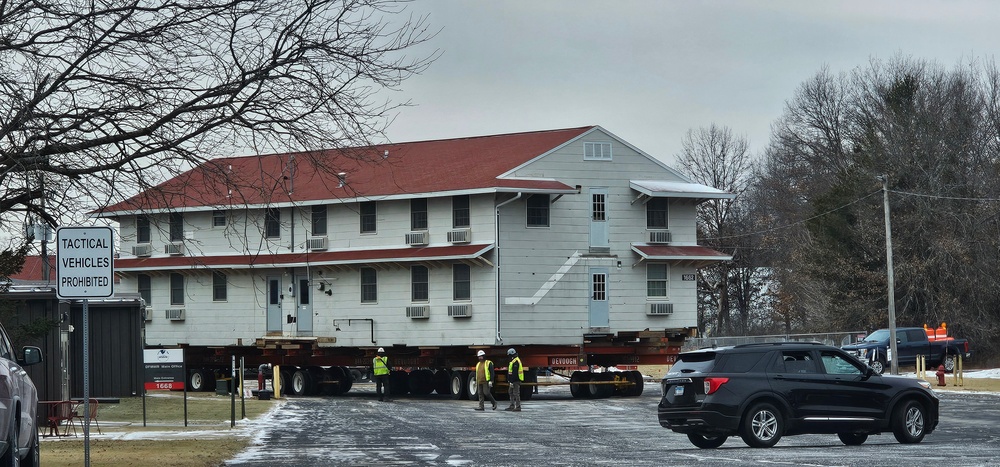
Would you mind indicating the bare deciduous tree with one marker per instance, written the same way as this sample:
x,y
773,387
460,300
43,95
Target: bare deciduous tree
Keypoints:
x,y
714,156
99,100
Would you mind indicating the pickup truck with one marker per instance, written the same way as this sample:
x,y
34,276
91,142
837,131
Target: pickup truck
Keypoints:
x,y
910,342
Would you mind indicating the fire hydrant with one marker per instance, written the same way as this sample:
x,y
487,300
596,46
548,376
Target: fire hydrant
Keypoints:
x,y
940,376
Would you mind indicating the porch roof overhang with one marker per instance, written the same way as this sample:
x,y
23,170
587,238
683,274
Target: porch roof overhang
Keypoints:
x,y
697,192
472,254
692,255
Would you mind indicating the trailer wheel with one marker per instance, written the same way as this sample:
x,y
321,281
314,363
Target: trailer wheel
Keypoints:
x,y
640,383
530,376
442,382
399,383
421,382
347,380
457,388
333,381
472,386
302,383
286,381
356,375
579,390
601,391
201,380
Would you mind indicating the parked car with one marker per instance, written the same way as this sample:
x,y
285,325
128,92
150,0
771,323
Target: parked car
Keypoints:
x,y
762,392
18,404
939,349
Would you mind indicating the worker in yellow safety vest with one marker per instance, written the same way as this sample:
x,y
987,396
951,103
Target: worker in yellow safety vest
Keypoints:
x,y
380,373
484,380
515,376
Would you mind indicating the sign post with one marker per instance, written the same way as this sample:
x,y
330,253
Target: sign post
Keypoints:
x,y
84,270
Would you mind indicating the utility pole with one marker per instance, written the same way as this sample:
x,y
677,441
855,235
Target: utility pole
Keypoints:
x,y
894,365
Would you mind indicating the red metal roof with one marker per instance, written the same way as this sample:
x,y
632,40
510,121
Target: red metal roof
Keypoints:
x,y
319,258
32,269
382,170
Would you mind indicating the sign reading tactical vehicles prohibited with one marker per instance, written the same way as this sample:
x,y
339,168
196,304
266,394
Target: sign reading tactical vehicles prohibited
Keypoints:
x,y
84,265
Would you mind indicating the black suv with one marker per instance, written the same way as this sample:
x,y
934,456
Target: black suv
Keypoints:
x,y
765,391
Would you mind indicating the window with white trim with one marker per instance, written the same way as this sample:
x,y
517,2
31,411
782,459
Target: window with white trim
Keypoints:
x,y
656,213
657,280
272,223
218,218
418,214
538,211
318,219
368,216
597,151
176,289
176,227
219,286
462,282
369,285
419,284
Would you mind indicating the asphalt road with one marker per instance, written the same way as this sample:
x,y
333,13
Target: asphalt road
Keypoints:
x,y
554,429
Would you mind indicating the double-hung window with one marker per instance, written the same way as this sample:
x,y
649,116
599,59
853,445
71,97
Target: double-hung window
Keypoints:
x,y
462,282
656,213
319,220
368,218
657,280
418,214
419,282
369,285
538,211
272,223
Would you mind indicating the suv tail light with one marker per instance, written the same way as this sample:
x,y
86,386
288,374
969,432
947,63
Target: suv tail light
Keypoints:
x,y
713,384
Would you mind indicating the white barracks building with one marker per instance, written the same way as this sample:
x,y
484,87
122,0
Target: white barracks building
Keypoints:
x,y
549,241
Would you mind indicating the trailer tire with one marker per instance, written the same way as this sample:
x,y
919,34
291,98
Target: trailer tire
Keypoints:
x,y
577,387
356,375
457,388
302,383
421,382
471,387
442,382
346,381
399,383
640,383
286,381
602,391
530,376
201,380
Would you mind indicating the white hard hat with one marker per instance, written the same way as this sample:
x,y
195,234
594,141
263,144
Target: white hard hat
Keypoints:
x,y
381,350
511,352
480,354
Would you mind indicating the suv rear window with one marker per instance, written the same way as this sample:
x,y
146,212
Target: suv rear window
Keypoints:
x,y
701,362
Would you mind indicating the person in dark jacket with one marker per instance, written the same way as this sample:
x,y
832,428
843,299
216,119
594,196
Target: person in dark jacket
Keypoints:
x,y
515,376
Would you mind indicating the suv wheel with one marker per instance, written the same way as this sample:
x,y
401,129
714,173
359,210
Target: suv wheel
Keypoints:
x,y
853,439
908,422
762,426
706,441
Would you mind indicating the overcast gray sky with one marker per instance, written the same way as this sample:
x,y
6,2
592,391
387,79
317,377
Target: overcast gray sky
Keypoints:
x,y
648,71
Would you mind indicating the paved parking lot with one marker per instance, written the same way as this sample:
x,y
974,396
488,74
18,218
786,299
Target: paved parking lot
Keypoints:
x,y
555,429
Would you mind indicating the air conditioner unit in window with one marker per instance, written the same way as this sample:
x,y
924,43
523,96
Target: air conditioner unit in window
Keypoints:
x,y
422,311
659,236
460,311
175,248
175,314
416,238
658,309
316,243
142,249
460,236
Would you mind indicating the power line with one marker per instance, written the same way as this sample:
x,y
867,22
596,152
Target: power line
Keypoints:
x,y
956,198
793,224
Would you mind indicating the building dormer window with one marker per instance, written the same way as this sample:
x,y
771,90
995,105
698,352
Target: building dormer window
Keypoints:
x,y
597,151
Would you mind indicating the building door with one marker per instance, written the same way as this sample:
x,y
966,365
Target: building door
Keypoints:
x,y
599,307
273,303
599,220
304,308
